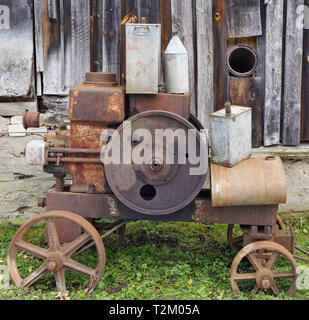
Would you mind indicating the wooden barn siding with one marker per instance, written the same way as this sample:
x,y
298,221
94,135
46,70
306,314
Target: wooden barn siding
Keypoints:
x,y
73,37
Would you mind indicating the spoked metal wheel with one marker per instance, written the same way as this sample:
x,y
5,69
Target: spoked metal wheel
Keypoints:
x,y
268,266
54,257
235,237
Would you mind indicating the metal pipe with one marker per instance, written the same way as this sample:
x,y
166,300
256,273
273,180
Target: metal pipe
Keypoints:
x,y
75,160
74,150
242,61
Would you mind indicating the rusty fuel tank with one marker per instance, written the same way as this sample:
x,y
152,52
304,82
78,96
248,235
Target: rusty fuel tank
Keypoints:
x,y
255,181
93,106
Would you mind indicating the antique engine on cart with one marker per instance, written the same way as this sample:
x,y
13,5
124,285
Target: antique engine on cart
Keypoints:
x,y
102,119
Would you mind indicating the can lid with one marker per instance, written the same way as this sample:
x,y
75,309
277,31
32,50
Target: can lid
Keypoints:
x,y
175,46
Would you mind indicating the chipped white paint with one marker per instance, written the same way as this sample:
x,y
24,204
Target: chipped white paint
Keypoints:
x,y
112,206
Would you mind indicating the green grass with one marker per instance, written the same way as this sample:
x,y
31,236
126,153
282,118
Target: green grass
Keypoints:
x,y
156,261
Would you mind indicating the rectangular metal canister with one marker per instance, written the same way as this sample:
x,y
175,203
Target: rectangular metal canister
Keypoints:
x,y
231,136
143,58
176,103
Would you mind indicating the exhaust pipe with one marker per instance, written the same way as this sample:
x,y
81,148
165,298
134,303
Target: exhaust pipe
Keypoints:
x,y
242,61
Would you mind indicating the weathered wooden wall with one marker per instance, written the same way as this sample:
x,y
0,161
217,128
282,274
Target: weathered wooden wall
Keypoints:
x,y
73,37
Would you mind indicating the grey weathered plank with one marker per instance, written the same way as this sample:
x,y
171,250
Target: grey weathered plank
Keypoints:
x,y
10,109
293,77
17,49
111,31
150,9
305,95
38,34
182,22
273,73
205,61
80,16
243,18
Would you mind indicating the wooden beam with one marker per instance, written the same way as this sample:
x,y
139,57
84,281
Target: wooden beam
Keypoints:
x,y
182,22
205,61
293,77
10,109
273,74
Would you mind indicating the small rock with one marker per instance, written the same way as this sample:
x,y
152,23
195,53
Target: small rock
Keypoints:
x,y
17,120
4,124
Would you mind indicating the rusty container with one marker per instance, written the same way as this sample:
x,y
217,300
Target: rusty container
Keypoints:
x,y
93,106
143,58
231,135
176,103
255,181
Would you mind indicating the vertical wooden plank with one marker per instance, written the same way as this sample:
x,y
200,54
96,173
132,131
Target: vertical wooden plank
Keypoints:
x,y
38,34
305,89
182,22
16,49
166,23
247,92
243,18
96,25
221,72
273,74
293,77
205,61
52,81
111,36
151,9
80,15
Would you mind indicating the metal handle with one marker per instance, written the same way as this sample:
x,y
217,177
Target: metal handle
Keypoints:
x,y
141,31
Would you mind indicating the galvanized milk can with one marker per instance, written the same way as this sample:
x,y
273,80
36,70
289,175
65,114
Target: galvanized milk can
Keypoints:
x,y
143,58
231,135
176,67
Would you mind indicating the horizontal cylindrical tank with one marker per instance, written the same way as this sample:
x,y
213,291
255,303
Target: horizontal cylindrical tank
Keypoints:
x,y
176,67
255,181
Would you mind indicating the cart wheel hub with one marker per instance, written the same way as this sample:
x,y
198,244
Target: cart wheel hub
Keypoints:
x,y
54,262
265,279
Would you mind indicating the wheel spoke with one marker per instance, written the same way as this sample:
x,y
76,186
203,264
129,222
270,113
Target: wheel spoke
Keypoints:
x,y
256,288
254,261
284,274
52,233
244,276
60,280
34,276
39,252
275,290
78,267
71,247
272,260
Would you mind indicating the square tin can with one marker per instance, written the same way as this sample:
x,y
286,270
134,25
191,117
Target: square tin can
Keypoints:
x,y
143,58
231,136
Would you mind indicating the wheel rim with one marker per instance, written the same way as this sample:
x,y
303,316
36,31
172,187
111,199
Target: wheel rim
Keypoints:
x,y
57,258
264,273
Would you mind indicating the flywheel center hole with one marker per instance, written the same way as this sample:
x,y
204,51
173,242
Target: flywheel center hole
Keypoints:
x,y
148,192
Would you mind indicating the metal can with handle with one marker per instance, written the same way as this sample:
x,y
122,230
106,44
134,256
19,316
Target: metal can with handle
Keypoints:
x,y
143,58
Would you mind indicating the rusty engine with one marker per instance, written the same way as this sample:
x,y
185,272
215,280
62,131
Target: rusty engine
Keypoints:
x,y
105,116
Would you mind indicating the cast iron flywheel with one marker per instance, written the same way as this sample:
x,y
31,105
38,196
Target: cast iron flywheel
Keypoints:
x,y
157,186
